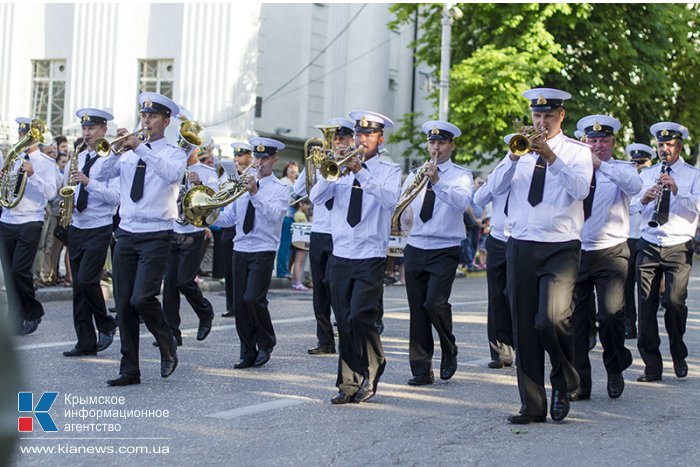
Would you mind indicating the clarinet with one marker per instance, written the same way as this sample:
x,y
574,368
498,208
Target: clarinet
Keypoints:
x,y
654,222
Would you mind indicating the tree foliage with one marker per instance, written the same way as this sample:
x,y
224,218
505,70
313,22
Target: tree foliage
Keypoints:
x,y
636,62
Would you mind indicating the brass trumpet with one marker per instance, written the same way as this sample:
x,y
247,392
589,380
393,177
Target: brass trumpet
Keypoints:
x,y
107,147
332,170
520,143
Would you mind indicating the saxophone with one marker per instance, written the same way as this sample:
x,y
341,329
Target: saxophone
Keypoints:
x,y
408,195
65,212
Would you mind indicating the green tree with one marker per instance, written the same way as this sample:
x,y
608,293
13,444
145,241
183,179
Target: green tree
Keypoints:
x,y
636,62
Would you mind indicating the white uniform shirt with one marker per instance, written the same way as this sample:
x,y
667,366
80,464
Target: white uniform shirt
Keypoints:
x,y
208,177
322,216
157,209
453,193
559,217
683,208
635,224
609,225
381,186
500,228
271,203
103,196
41,187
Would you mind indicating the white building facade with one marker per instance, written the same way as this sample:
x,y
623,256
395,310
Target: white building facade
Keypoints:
x,y
242,68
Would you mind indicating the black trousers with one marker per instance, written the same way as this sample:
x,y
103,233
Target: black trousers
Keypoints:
x,y
138,269
674,264
541,278
357,287
88,252
18,247
180,271
252,273
429,278
630,283
320,251
603,272
227,237
499,326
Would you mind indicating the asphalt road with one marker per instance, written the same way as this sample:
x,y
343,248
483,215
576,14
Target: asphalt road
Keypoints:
x,y
281,415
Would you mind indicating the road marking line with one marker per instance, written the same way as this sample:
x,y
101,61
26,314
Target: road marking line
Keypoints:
x,y
224,327
258,408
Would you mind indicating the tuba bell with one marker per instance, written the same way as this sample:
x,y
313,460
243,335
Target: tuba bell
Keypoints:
x,y
407,197
201,205
14,178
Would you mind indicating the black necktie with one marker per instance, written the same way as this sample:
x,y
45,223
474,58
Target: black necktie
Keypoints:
x,y
505,208
81,205
536,193
355,207
588,202
249,220
329,204
664,205
426,211
139,178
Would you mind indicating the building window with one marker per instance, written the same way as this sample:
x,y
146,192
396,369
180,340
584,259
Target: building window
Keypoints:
x,y
49,92
156,76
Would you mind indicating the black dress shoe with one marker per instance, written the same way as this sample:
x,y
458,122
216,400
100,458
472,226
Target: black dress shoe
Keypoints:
x,y
76,352
616,384
578,395
168,366
520,419
645,378
496,364
112,309
262,358
366,391
204,328
422,380
559,408
30,326
380,326
342,398
448,367
321,350
124,380
228,314
244,363
681,369
105,340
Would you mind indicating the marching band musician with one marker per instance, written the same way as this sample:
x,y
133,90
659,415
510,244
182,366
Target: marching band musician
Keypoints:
x,y
360,225
499,326
672,200
432,252
243,155
149,179
20,232
321,247
545,209
184,258
604,258
89,235
258,216
641,156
